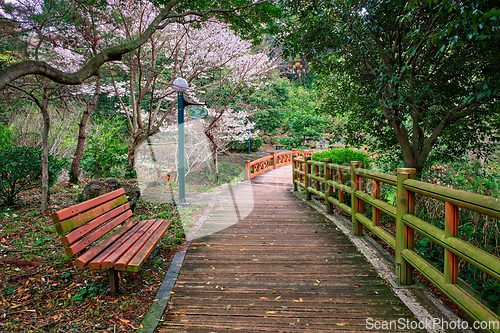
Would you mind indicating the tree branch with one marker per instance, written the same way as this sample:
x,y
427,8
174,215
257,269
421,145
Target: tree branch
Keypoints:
x,y
18,70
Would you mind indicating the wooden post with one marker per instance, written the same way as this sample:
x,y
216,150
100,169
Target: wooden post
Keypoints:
x,y
294,156
328,187
357,227
307,180
450,230
113,281
318,184
273,154
376,194
404,234
341,181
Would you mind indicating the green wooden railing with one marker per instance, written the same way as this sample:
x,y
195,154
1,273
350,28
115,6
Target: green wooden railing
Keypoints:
x,y
328,177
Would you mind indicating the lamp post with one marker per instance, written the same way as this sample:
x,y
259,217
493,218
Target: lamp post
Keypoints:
x,y
180,85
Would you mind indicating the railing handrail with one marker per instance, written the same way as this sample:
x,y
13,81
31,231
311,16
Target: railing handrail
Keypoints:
x,y
406,222
261,165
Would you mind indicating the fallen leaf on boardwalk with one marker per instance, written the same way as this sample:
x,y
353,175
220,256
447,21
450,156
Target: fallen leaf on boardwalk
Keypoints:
x,y
273,292
270,312
318,281
356,285
278,297
263,298
284,307
124,320
376,292
300,300
339,324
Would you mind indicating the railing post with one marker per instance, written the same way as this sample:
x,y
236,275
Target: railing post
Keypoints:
x,y
246,175
357,227
341,181
450,230
318,185
404,234
273,154
294,156
328,187
376,195
307,180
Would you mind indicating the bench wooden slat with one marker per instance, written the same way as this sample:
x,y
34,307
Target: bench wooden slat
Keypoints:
x,y
96,263
135,264
83,218
92,237
84,206
91,253
121,264
110,261
75,235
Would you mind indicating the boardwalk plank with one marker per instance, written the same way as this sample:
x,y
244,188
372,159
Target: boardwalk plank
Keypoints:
x,y
283,268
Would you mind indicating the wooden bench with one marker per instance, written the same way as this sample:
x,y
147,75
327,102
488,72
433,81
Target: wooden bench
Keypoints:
x,y
100,234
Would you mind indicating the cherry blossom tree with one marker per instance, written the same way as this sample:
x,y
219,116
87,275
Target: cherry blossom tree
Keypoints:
x,y
193,52
249,18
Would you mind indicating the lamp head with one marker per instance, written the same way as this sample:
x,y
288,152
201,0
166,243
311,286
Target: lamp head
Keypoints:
x,y
180,85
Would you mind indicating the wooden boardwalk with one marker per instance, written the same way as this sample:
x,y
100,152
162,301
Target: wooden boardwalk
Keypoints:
x,y
282,268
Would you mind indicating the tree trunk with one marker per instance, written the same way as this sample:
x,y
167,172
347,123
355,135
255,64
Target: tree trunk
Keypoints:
x,y
45,156
75,165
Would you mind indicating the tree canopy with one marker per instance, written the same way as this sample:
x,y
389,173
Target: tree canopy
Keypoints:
x,y
419,74
250,19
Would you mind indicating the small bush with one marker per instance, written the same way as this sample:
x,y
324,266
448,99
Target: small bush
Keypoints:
x,y
289,143
242,146
343,156
105,154
5,137
21,170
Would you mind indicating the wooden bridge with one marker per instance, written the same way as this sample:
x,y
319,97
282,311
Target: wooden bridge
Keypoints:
x,y
287,268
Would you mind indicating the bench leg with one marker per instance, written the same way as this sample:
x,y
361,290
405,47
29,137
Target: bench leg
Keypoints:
x,y
113,281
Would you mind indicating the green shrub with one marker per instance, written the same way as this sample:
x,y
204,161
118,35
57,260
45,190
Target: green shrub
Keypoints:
x,y
21,170
343,156
5,137
242,146
289,143
105,154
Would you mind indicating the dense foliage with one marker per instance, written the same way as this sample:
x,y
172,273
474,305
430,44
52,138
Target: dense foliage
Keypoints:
x,y
405,74
242,146
21,170
106,153
343,156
